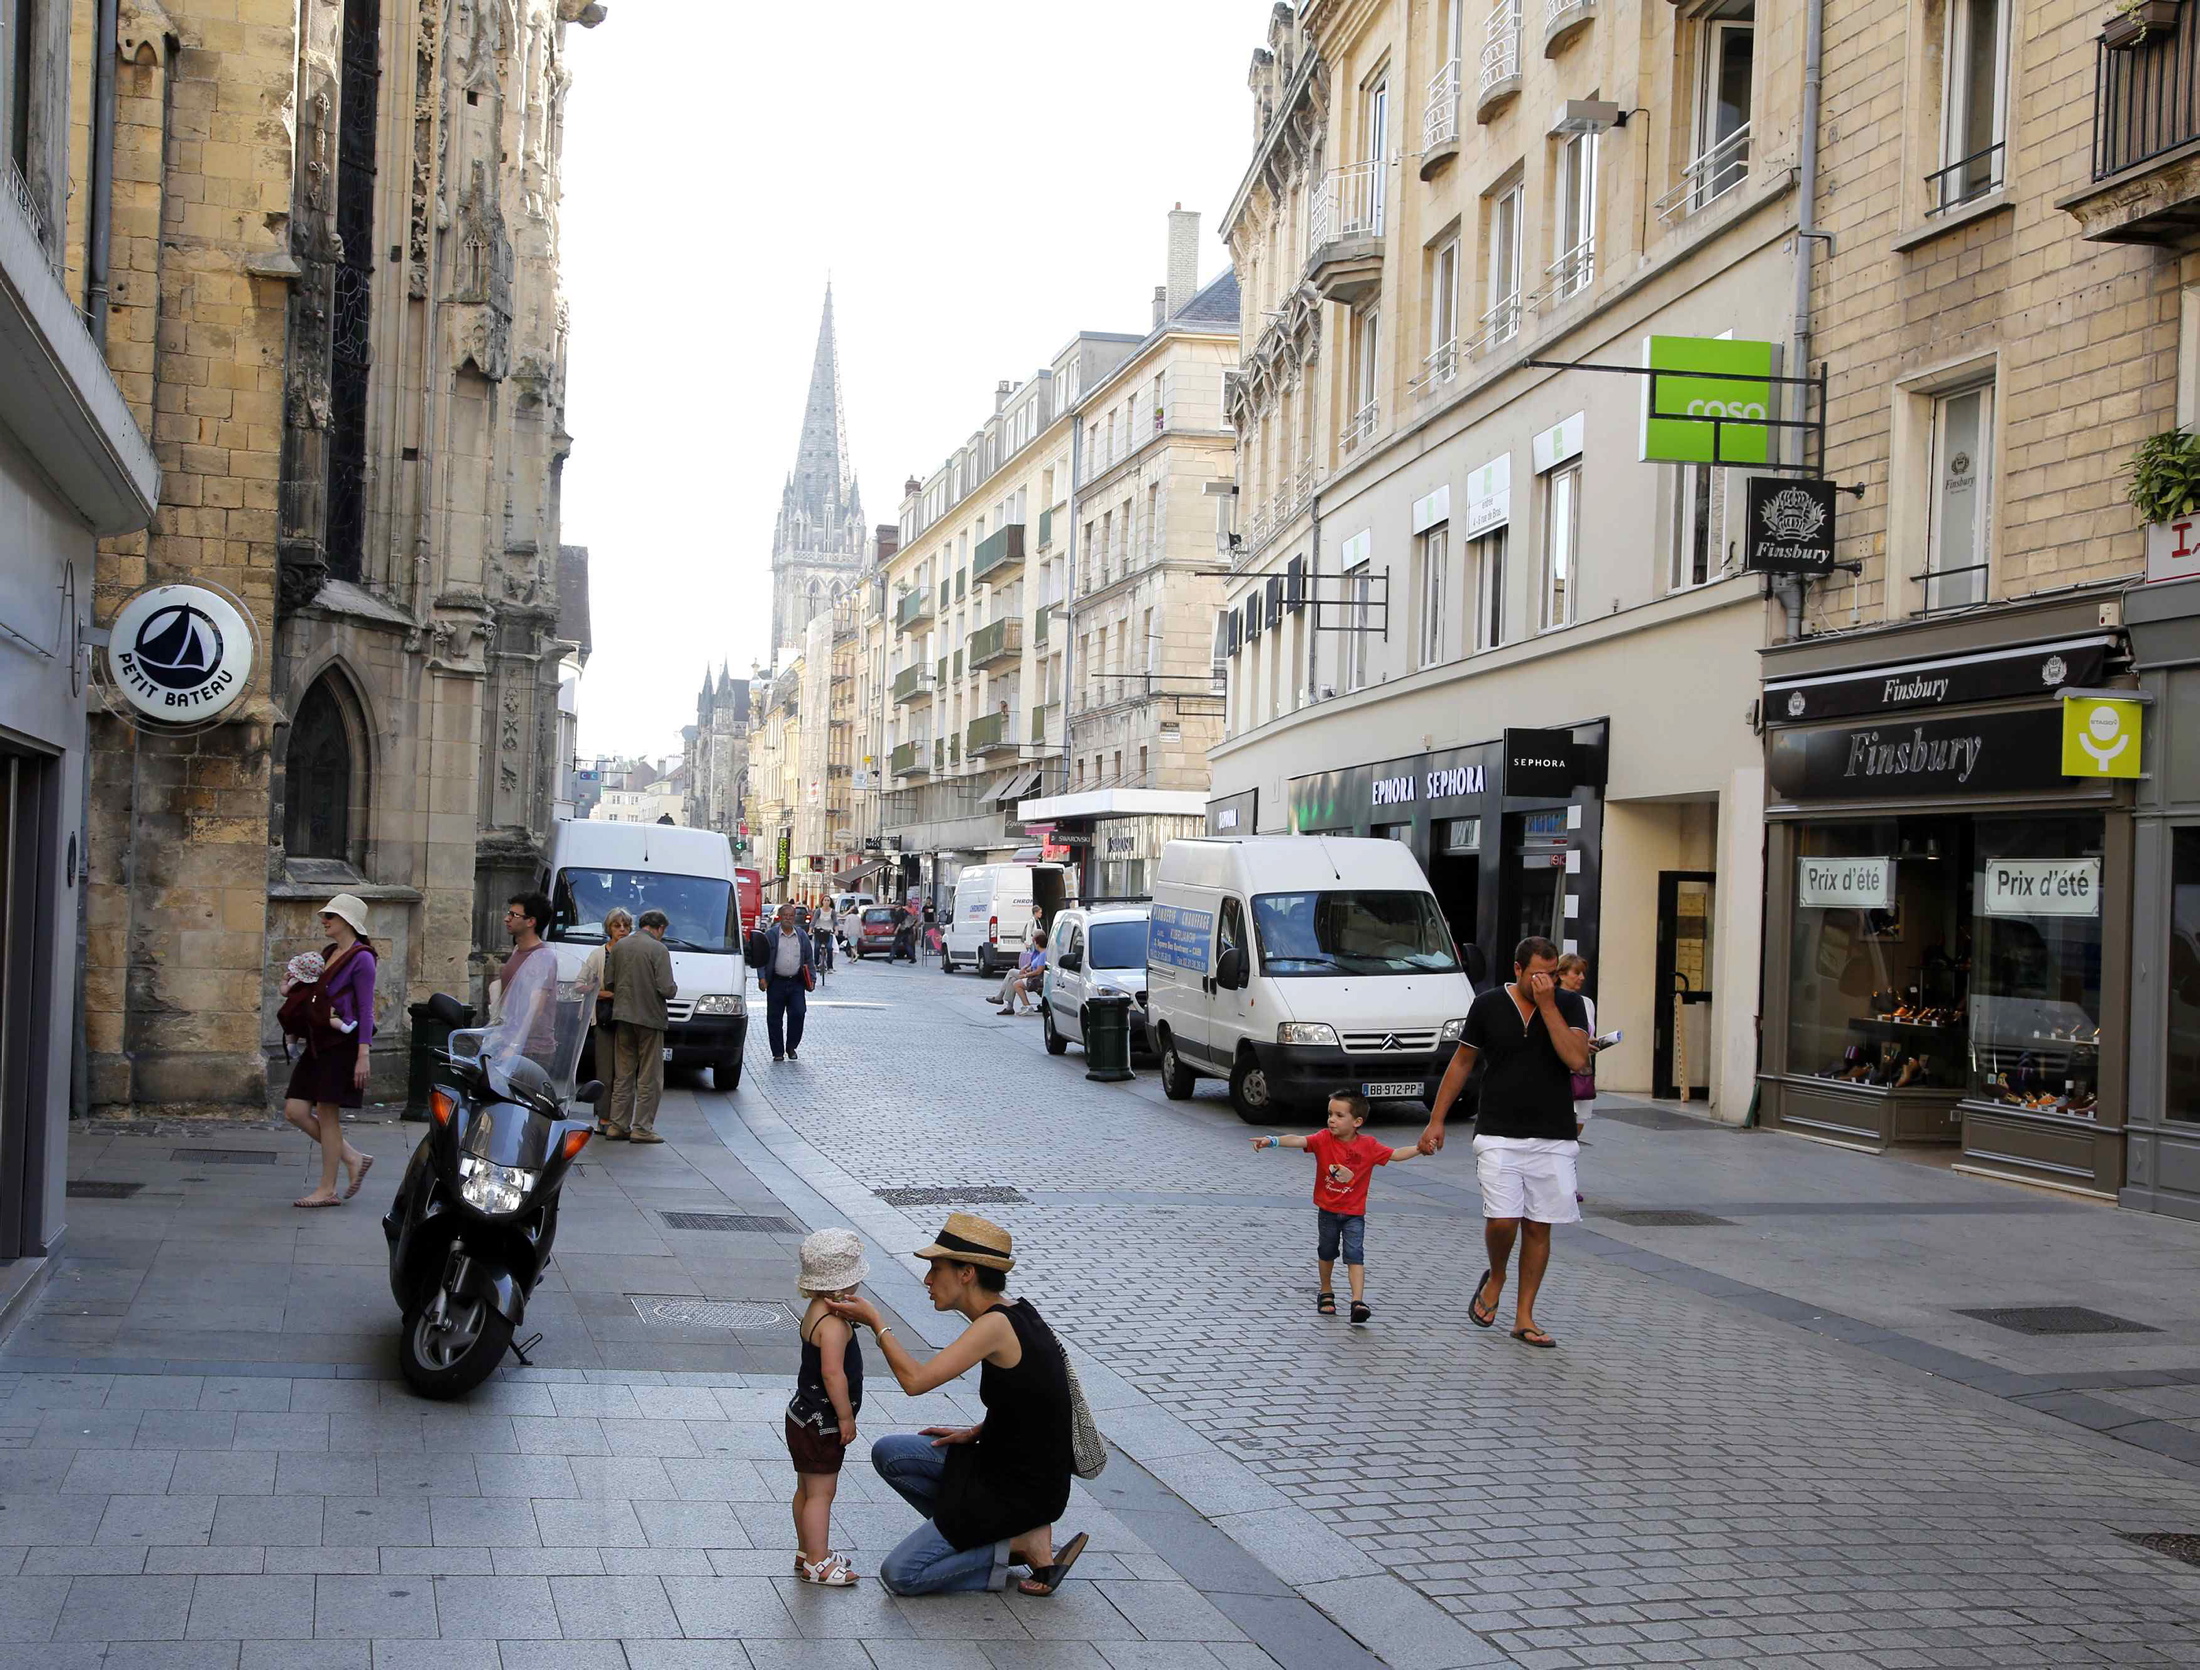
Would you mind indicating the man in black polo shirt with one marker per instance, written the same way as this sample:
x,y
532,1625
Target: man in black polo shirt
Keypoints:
x,y
1535,1037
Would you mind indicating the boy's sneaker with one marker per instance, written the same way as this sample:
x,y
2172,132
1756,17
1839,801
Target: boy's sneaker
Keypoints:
x,y
1360,1312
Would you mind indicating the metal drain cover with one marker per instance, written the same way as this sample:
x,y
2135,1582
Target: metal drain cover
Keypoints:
x,y
731,1223
987,1195
1667,1220
731,1314
2178,1545
223,1156
83,1188
2057,1319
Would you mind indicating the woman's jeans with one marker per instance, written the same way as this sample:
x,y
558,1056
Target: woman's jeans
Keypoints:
x,y
924,1562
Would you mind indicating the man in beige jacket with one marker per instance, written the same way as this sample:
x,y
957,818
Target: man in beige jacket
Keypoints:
x,y
639,973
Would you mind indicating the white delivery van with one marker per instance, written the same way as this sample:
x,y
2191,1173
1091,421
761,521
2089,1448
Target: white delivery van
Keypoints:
x,y
689,875
1295,966
993,906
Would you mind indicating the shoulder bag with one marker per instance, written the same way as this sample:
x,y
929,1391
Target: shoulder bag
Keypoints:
x,y
1088,1451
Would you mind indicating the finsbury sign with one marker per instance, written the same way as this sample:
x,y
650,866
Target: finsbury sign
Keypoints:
x,y
180,654
1934,755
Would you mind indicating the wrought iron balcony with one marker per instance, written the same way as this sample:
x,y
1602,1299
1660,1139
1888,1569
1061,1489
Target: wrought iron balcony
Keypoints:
x,y
1440,114
1563,20
992,733
998,555
1709,178
911,759
1498,78
913,684
996,641
2146,140
1344,259
914,609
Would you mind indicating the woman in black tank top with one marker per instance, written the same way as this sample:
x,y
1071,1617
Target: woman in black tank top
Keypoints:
x,y
990,1493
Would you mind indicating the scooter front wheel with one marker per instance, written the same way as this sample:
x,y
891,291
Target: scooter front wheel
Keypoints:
x,y
446,1351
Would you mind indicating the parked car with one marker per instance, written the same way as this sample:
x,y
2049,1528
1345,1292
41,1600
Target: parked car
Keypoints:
x,y
1094,949
876,931
1299,965
992,907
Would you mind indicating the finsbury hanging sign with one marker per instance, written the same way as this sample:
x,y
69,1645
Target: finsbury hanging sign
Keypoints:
x,y
180,654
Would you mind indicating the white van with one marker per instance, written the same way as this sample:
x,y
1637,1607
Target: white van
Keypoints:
x,y
687,874
1299,965
993,906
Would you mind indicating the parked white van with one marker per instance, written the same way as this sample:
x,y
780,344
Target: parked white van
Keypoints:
x,y
993,906
1299,965
687,874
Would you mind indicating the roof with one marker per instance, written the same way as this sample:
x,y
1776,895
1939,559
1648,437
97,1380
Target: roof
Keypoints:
x,y
1217,304
573,596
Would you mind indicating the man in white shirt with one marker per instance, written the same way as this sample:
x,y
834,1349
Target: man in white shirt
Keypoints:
x,y
785,977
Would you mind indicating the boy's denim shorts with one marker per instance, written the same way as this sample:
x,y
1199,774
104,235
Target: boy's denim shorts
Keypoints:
x,y
1352,1231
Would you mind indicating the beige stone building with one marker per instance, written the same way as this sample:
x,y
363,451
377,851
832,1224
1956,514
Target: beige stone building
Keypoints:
x,y
333,299
1444,535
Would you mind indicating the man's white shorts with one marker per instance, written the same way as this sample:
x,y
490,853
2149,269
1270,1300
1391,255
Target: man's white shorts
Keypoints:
x,y
1528,1177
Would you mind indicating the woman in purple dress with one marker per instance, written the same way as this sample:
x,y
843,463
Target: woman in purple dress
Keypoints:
x,y
332,1073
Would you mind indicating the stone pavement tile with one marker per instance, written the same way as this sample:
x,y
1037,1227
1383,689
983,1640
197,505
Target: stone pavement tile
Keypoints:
x,y
39,1519
262,1396
968,1617
656,1438
625,1476
661,1562
599,1523
558,1435
324,1473
374,1521
1215,1484
1044,1655
1170,1611
155,1391
70,1560
328,1397
273,1431
112,1472
185,1429
374,1608
267,1521
808,1655
863,1613
1297,1546
140,1520
926,1655
1404,1628
435,1655
1175,1655
34,1470
562,1655
323,1562
495,1608
1145,1432
1077,1611
729,1608
495,1521
124,1609
688,1655
413,1561
405,1474
252,1609
214,1561
172,1655
223,1473
306,1655
525,1475
690,1525
613,1608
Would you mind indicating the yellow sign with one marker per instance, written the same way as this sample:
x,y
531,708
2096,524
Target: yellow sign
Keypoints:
x,y
2100,737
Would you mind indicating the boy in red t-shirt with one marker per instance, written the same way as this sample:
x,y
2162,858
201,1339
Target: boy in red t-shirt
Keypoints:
x,y
1344,1160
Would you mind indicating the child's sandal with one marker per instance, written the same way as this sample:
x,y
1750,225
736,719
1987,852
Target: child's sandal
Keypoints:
x,y
1360,1312
832,1572
1326,1303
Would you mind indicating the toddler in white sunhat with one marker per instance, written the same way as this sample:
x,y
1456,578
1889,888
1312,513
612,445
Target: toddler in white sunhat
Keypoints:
x,y
828,1391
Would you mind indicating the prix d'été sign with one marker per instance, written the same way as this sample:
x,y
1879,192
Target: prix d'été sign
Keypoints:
x,y
1675,406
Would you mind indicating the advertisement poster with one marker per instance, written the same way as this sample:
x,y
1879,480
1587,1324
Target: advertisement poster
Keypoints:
x,y
1180,938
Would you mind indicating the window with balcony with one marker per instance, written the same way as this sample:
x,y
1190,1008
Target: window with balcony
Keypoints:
x,y
1974,115
1501,320
1489,589
1497,75
1367,341
1432,623
1376,149
1719,132
1561,544
1442,361
1959,508
1574,226
1699,526
1440,114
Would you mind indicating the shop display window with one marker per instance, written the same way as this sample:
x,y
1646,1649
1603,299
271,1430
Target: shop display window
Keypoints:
x,y
2036,991
1880,955
2182,1100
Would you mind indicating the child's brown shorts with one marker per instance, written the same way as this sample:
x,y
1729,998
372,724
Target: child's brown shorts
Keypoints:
x,y
814,1451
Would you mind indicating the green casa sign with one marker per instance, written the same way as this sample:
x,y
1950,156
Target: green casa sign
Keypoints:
x,y
1674,407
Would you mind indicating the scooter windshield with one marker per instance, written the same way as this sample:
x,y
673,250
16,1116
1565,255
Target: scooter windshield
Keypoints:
x,y
531,1050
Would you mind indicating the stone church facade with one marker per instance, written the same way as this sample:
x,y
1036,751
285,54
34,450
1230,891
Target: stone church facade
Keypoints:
x,y
336,312
715,751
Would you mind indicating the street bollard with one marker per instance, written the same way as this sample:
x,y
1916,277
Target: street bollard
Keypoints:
x,y
429,1036
1108,1037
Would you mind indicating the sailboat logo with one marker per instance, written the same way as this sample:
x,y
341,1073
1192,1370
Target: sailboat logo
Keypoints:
x,y
180,653
178,647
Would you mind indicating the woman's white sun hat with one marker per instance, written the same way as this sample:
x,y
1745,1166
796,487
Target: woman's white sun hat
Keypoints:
x,y
351,908
832,1262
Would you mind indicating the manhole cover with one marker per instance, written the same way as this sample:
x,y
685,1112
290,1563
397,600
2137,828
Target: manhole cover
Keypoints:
x,y
2178,1545
1666,1220
707,1313
2057,1319
85,1189
731,1223
986,1195
223,1156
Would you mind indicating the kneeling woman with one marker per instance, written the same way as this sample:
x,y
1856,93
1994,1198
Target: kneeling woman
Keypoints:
x,y
990,1493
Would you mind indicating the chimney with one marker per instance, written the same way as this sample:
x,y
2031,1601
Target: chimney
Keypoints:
x,y
1183,258
1160,305
1001,391
888,535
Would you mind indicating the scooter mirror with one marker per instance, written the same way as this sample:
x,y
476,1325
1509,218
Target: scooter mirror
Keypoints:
x,y
590,1092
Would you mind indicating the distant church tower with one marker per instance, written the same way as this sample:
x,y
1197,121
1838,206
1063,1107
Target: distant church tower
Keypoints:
x,y
817,544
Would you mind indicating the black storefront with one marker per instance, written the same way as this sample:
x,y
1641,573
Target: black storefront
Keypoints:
x,y
1510,832
1947,917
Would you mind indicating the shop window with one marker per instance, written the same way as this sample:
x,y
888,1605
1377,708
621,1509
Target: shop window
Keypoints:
x,y
1489,589
1699,526
1960,509
2036,989
2182,1098
1561,534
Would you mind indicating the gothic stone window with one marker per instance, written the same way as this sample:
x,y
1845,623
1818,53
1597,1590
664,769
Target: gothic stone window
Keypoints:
x,y
325,788
359,93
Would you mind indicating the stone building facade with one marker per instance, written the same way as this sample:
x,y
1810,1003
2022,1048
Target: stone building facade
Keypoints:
x,y
335,309
715,750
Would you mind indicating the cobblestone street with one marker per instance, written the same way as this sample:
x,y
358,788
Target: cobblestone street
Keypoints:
x,y
1768,1438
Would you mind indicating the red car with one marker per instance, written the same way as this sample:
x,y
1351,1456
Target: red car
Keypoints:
x,y
876,931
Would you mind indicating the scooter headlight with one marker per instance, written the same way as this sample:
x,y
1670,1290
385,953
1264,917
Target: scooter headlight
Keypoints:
x,y
488,1187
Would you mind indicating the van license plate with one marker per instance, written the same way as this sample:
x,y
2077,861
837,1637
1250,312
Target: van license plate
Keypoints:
x,y
1391,1088
668,1055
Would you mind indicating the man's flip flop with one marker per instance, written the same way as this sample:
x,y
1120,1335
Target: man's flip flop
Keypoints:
x,y
1540,1340
1044,1580
1474,1312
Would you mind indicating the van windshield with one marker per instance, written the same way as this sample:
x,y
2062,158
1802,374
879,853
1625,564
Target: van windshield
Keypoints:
x,y
1352,933
700,908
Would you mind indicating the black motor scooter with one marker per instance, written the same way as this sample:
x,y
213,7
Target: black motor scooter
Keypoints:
x,y
471,1228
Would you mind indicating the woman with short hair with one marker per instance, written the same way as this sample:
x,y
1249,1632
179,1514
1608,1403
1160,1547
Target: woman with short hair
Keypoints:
x,y
990,1493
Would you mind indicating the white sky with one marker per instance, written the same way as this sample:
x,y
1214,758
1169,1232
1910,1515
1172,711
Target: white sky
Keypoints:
x,y
981,178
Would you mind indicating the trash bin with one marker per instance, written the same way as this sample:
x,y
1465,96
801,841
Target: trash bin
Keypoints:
x,y
429,1036
1108,1037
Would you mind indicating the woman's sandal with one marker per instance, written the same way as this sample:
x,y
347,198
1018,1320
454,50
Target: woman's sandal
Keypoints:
x,y
366,1164
832,1572
1044,1580
309,1202
1326,1303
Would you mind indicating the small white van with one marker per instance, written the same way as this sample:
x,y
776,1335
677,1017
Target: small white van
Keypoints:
x,y
1295,966
993,906
689,875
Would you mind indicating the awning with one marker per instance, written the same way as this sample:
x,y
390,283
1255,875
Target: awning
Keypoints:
x,y
843,878
1014,785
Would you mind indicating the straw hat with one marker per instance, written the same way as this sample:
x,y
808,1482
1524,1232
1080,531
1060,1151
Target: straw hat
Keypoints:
x,y
973,1240
351,908
832,1262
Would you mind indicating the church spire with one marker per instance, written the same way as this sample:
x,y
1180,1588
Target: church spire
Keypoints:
x,y
818,542
822,478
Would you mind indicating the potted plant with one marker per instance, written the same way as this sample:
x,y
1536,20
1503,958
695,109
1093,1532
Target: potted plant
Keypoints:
x,y
2165,490
2135,21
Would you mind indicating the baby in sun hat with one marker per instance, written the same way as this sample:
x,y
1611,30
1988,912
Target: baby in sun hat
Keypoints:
x,y
828,1390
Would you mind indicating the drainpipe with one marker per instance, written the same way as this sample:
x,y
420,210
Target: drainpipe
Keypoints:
x,y
99,231
1069,601
1806,233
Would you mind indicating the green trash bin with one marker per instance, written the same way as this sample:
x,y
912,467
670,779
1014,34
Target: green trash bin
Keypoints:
x,y
1108,1037
429,1037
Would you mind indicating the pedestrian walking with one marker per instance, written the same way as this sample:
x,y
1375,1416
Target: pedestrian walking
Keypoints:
x,y
1534,1036
1573,974
639,971
828,1395
828,931
1345,1158
990,1493
603,1049
905,933
789,972
334,1013
1022,984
